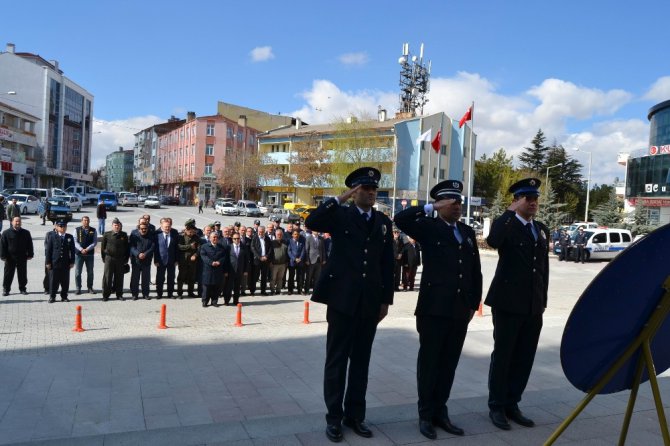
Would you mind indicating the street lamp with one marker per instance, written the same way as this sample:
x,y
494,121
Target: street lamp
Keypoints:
x,y
588,183
546,180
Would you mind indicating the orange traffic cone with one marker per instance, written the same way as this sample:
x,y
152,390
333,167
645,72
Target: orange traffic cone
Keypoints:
x,y
77,321
162,325
238,318
305,318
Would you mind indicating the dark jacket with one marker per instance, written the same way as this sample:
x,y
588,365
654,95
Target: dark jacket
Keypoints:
x,y
296,250
213,253
171,248
358,277
115,245
185,248
279,252
256,249
521,279
16,245
59,251
85,239
411,255
101,211
451,281
238,264
142,244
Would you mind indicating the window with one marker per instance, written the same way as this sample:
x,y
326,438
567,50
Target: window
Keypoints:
x,y
442,173
192,168
421,170
210,129
600,238
229,132
625,236
443,150
615,237
208,168
209,149
434,172
193,150
240,136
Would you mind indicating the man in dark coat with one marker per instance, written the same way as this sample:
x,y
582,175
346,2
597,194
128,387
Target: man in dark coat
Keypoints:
x,y
565,242
450,292
296,263
115,251
517,297
357,286
213,257
142,247
16,248
580,244
397,256
165,257
411,260
315,257
85,239
238,271
261,246
59,254
188,246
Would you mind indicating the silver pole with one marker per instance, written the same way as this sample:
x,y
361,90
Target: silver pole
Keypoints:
x,y
471,160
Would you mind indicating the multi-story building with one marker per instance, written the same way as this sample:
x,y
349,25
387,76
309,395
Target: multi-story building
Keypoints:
x,y
64,109
119,170
648,170
193,157
410,166
146,154
18,147
256,119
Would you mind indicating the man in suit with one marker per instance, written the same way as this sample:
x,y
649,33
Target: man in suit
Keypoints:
x,y
59,253
213,257
262,249
450,292
238,270
142,247
165,257
85,239
397,256
357,286
411,260
115,252
517,297
16,248
314,257
296,263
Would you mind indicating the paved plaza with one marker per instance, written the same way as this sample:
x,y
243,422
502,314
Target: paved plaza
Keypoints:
x,y
204,381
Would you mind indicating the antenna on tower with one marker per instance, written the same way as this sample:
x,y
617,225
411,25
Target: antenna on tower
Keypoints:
x,y
414,81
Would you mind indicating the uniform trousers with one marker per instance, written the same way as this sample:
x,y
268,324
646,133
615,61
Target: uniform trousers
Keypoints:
x,y
161,271
515,338
59,276
21,268
580,255
397,274
140,272
112,279
440,344
348,345
79,261
188,271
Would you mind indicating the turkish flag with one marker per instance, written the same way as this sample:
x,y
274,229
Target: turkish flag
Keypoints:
x,y
436,141
466,117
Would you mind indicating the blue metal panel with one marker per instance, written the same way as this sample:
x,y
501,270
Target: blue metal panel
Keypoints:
x,y
456,152
407,170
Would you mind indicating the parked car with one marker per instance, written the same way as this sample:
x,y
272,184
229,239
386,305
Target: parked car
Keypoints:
x,y
152,201
226,208
27,203
73,201
109,199
248,208
60,209
141,199
169,200
129,199
284,216
266,210
601,243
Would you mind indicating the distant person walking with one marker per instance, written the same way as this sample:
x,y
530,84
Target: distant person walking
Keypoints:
x,y
3,214
102,216
200,203
13,210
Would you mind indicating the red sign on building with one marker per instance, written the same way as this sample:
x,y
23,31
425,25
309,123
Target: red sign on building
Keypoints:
x,y
6,166
659,150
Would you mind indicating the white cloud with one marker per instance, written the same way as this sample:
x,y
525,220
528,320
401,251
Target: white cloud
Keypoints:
x,y
360,58
508,121
262,53
115,134
660,90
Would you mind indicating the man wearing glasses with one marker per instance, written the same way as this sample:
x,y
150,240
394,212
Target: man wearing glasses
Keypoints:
x,y
142,245
239,270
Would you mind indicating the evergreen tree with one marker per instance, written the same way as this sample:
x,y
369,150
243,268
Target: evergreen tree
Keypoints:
x,y
534,157
490,173
550,212
566,178
608,214
498,206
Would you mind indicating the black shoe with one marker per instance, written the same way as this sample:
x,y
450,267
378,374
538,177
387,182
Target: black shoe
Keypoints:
x,y
171,297
243,293
499,419
159,297
147,297
192,295
105,299
120,298
334,433
91,291
6,293
64,299
78,291
135,297
46,292
24,292
52,301
360,427
445,424
427,430
516,416
204,305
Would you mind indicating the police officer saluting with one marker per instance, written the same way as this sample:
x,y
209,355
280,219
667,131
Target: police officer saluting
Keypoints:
x,y
517,297
59,253
357,286
449,294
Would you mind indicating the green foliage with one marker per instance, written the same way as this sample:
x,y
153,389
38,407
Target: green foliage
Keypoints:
x,y
534,157
565,178
490,174
609,213
600,194
498,206
551,213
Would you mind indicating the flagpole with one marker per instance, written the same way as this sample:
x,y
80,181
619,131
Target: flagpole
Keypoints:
x,y
427,176
471,160
395,173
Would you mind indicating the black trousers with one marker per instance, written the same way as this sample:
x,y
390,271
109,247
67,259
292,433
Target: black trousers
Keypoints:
x,y
313,273
440,345
210,292
59,276
21,268
397,274
296,278
160,279
515,338
233,287
261,270
112,279
580,255
408,276
348,346
140,272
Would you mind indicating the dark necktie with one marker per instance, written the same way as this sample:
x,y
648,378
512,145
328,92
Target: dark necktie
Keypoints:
x,y
529,228
451,233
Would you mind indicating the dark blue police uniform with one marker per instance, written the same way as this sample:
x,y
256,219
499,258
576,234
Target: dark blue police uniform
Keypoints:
x,y
59,253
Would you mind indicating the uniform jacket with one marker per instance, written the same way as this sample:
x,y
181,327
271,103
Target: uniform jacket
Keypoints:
x,y
451,281
256,249
85,239
171,248
16,245
296,250
59,251
185,248
142,244
358,277
581,239
210,253
115,245
521,279
314,250
411,255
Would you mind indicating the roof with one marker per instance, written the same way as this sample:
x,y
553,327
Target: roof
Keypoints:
x,y
329,128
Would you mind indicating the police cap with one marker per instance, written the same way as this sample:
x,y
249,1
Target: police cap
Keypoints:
x,y
529,187
365,176
61,223
447,189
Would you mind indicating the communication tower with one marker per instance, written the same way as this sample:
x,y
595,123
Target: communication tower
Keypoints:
x,y
414,81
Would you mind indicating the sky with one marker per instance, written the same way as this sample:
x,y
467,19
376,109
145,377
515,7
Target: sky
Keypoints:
x,y
585,72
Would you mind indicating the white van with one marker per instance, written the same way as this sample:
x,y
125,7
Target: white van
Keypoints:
x,y
604,243
88,194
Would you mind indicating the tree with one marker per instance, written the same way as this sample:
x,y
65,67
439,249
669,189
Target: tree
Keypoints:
x,y
566,178
550,212
99,180
609,213
600,194
498,206
309,162
243,170
534,157
490,172
128,181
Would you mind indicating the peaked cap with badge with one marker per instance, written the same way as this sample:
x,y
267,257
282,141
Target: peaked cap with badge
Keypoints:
x,y
365,176
447,189
528,187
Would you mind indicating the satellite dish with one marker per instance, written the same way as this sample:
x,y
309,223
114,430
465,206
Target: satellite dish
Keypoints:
x,y
402,60
414,58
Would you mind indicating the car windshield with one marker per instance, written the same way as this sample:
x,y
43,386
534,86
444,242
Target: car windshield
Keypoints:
x,y
252,205
19,198
227,204
152,197
56,202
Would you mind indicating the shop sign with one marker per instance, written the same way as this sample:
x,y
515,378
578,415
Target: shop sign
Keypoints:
x,y
6,133
659,150
651,202
6,166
